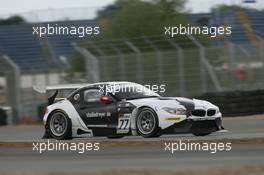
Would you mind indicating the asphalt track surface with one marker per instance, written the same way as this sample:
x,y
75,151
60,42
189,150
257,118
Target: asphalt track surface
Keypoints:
x,y
143,156
237,127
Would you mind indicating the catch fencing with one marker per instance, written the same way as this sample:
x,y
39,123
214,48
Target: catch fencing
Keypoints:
x,y
187,68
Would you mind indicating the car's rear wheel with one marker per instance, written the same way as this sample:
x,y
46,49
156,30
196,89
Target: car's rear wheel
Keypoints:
x,y
59,125
147,122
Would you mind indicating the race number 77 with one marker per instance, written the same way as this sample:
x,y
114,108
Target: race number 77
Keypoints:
x,y
123,123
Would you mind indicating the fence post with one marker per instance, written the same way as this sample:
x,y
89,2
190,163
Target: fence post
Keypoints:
x,y
232,64
34,94
91,64
261,49
139,60
104,70
47,78
261,54
121,61
180,62
158,59
14,91
202,68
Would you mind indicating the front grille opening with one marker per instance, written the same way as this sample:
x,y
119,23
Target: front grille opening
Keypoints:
x,y
199,113
211,112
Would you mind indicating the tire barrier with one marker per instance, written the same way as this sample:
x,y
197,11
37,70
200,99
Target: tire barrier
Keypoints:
x,y
3,117
237,103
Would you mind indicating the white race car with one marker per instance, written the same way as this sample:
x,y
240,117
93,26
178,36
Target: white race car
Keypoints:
x,y
117,109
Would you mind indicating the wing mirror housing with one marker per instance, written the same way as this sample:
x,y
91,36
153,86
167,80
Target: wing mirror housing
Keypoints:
x,y
106,99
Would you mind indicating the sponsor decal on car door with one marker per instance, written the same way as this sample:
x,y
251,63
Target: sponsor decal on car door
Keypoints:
x,y
97,115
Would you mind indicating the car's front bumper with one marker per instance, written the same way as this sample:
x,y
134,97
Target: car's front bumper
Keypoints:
x,y
195,125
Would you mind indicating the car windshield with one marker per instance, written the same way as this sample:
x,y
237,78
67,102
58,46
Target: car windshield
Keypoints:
x,y
131,91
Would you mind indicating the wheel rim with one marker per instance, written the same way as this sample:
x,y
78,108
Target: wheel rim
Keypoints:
x,y
58,124
146,122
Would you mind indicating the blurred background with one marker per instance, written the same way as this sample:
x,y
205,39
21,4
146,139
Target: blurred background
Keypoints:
x,y
227,70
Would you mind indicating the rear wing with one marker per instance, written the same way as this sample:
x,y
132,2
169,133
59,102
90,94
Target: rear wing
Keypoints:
x,y
52,98
44,89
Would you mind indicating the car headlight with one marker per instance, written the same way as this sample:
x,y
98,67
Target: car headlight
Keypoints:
x,y
178,111
217,111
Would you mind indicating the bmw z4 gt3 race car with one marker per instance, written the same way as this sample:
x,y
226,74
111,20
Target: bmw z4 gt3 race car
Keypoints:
x,y
117,109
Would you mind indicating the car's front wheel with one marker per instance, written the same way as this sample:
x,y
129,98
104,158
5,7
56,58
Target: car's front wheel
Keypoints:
x,y
59,126
147,122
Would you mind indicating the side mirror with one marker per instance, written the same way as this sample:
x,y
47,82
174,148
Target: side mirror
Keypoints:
x,y
106,99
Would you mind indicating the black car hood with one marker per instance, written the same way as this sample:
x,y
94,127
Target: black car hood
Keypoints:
x,y
186,102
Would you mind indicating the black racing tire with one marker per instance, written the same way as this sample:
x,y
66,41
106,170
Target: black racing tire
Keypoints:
x,y
59,126
201,134
147,123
